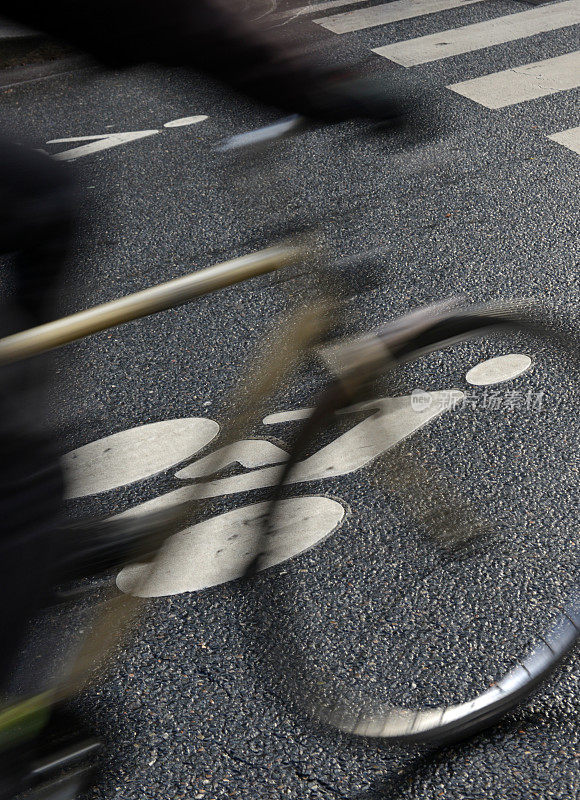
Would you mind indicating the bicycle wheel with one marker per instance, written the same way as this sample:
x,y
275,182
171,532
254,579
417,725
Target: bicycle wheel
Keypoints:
x,y
451,590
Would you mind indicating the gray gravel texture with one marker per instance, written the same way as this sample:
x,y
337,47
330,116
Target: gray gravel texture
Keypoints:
x,y
486,211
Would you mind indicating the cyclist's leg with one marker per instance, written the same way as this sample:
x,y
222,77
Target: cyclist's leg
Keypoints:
x,y
35,220
36,214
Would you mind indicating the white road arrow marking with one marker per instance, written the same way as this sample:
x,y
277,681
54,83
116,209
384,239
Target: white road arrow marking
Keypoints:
x,y
100,142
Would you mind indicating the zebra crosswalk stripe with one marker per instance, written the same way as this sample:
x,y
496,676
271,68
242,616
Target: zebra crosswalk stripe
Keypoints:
x,y
388,12
314,8
569,138
482,34
527,82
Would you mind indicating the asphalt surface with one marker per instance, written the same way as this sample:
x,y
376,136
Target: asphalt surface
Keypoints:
x,y
486,210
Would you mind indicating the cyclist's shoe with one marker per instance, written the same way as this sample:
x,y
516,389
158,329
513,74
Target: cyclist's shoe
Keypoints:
x,y
55,762
343,96
390,102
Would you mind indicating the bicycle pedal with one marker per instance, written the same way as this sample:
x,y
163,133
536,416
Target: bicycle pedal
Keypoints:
x,y
65,787
65,757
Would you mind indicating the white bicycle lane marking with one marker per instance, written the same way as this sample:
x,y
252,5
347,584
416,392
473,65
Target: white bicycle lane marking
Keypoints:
x,y
104,141
218,549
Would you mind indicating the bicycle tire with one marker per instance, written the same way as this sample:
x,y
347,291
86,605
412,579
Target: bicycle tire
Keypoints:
x,y
355,365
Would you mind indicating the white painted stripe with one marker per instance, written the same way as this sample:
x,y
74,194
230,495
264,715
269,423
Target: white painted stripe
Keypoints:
x,y
178,123
386,13
101,142
316,8
569,138
483,34
527,82
80,138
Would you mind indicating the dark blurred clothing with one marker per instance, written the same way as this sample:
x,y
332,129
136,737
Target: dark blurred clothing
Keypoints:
x,y
36,211
36,203
208,35
36,208
35,222
201,34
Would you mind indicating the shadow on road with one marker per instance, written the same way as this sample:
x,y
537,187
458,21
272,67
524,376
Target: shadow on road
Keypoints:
x,y
406,784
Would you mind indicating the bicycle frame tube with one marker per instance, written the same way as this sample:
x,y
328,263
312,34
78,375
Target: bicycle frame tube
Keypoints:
x,y
149,301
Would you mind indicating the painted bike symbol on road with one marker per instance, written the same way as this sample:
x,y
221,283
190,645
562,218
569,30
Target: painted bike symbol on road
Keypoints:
x,y
218,549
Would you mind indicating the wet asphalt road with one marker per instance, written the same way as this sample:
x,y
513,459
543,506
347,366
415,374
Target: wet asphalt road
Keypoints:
x,y
486,211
